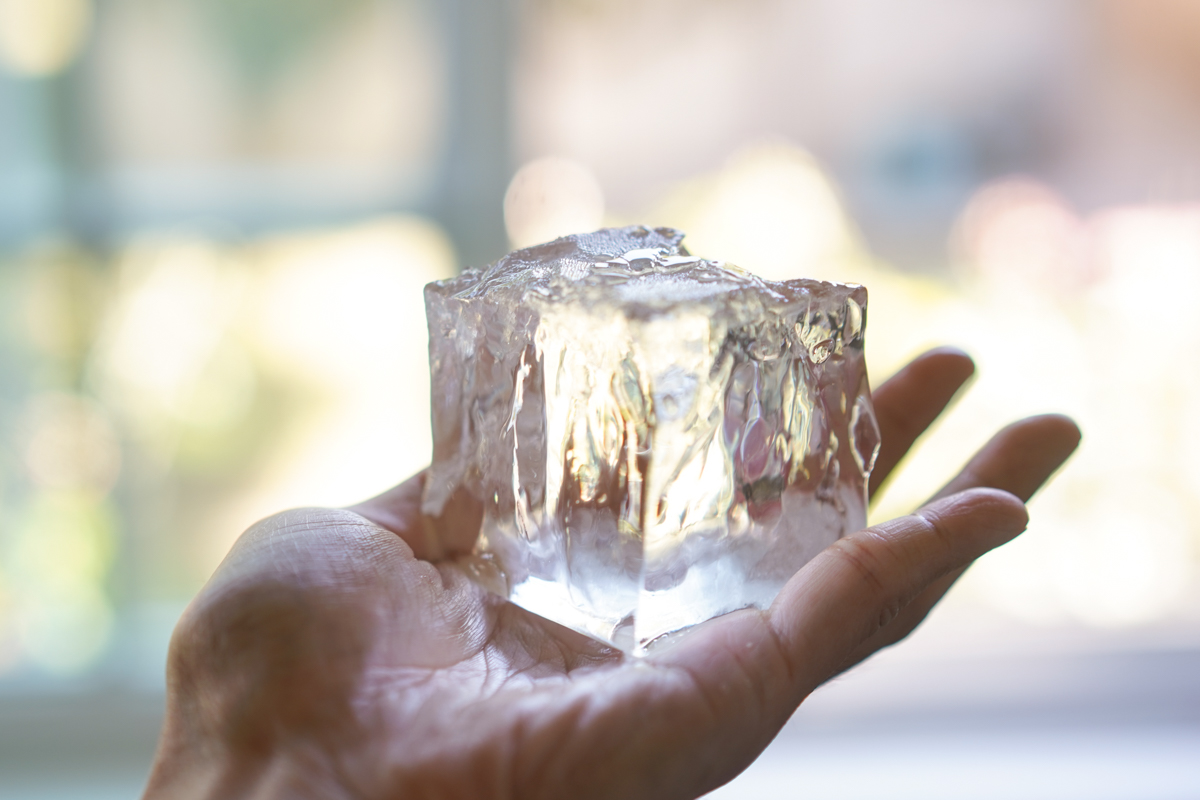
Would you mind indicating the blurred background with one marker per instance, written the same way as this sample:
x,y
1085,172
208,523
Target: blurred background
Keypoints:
x,y
216,217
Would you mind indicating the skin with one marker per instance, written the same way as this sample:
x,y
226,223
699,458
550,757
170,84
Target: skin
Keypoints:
x,y
342,653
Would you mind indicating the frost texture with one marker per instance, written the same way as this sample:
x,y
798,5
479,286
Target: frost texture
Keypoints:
x,y
656,439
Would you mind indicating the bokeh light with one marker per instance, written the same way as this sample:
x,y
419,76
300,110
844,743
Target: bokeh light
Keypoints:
x,y
551,197
343,314
41,37
1021,233
164,356
71,444
771,209
215,384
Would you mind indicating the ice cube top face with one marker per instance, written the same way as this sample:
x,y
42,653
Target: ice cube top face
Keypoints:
x,y
656,439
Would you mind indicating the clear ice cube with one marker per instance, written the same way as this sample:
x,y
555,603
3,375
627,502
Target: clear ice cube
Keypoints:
x,y
656,439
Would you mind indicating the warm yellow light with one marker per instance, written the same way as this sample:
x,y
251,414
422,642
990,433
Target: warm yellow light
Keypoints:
x,y
41,37
771,210
552,197
339,315
165,356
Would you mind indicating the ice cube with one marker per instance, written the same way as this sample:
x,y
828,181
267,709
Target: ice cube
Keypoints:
x,y
656,439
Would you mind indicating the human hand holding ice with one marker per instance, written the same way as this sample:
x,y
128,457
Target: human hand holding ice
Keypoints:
x,y
335,653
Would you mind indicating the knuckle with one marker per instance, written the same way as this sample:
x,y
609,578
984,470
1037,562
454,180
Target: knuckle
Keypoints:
x,y
887,565
861,557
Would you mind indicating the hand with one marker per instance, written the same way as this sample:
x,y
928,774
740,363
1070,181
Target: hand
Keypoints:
x,y
327,659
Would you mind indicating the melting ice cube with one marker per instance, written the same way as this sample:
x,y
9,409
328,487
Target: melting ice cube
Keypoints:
x,y
656,439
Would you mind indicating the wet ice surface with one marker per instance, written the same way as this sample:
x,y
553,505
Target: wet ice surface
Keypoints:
x,y
656,439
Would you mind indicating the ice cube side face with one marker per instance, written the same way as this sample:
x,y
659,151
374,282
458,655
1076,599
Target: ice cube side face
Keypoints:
x,y
655,439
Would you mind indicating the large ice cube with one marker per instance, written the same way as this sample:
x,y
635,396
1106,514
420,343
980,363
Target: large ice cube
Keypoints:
x,y
656,439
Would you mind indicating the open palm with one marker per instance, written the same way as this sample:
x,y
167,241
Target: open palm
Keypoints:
x,y
343,653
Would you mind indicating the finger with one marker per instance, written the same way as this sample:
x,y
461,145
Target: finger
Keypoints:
x,y
1018,460
431,538
750,669
723,689
861,584
911,400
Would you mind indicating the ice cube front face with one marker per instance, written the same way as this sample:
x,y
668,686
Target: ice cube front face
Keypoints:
x,y
656,439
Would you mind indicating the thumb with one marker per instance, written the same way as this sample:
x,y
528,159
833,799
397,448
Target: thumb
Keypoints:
x,y
860,583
